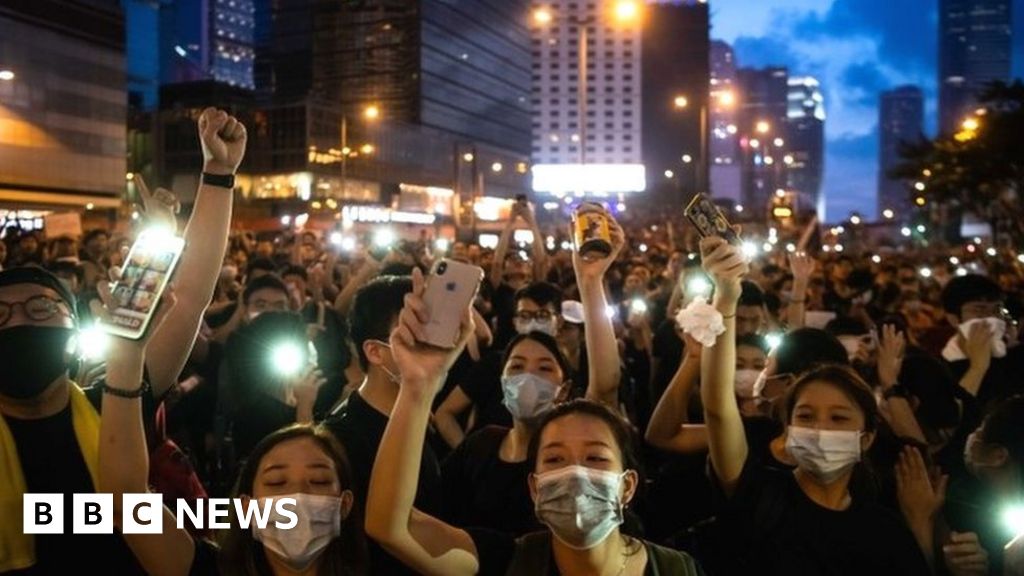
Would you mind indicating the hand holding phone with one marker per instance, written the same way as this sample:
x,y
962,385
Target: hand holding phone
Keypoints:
x,y
144,277
450,288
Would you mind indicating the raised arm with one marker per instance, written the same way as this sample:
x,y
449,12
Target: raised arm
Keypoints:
x,y
603,363
668,429
223,140
424,543
538,253
369,271
497,273
801,265
124,459
896,409
726,266
978,348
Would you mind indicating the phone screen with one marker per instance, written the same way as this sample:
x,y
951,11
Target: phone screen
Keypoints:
x,y
147,269
709,220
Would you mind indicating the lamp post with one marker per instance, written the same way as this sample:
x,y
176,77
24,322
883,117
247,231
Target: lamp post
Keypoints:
x,y
370,113
625,11
724,99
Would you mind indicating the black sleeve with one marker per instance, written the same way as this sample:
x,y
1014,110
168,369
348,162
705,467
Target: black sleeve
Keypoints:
x,y
494,551
204,563
453,474
478,384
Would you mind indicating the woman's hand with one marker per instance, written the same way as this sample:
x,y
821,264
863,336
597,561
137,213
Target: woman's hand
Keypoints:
x,y
890,356
920,499
965,556
423,367
594,268
726,265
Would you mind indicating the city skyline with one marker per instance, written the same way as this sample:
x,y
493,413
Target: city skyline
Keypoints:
x,y
857,49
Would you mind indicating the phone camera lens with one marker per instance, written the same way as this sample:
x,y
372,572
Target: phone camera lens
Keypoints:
x,y
441,268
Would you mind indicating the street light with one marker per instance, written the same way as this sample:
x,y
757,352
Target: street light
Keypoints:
x,y
681,102
626,10
970,124
763,127
370,113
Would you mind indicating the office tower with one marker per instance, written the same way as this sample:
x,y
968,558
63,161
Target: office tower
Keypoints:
x,y
803,150
207,40
763,114
725,169
900,121
601,130
675,97
974,49
62,105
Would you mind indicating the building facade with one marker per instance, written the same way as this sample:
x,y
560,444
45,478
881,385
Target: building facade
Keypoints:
x,y
675,95
763,116
975,47
601,129
207,40
725,169
63,113
900,121
803,150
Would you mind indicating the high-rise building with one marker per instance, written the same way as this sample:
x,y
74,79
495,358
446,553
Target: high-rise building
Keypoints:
x,y
675,97
725,169
207,40
975,45
803,150
763,115
900,121
63,106
607,138
283,40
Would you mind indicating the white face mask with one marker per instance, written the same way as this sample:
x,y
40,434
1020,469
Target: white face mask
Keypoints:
x,y
546,326
528,396
746,380
824,454
581,505
319,522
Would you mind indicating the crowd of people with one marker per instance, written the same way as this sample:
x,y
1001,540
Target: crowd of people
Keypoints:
x,y
678,405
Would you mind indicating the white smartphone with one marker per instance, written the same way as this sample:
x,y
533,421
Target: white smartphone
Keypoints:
x,y
144,278
451,287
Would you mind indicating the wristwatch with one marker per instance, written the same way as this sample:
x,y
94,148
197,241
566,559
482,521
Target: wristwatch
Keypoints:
x,y
219,180
897,391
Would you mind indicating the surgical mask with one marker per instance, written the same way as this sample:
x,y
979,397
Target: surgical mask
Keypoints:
x,y
746,379
528,396
580,505
392,377
319,522
546,326
824,454
851,344
31,358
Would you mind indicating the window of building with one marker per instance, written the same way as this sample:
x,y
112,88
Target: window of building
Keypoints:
x,y
627,113
555,77
627,137
628,149
627,126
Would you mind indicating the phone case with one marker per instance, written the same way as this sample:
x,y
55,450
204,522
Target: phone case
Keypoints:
x,y
708,219
451,286
144,277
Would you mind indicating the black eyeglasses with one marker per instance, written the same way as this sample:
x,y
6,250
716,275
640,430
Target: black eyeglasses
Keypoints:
x,y
39,308
538,315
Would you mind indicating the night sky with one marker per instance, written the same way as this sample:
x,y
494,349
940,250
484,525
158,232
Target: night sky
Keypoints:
x,y
856,48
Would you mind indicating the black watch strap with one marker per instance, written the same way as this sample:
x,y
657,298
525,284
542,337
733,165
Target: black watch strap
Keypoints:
x,y
896,391
219,180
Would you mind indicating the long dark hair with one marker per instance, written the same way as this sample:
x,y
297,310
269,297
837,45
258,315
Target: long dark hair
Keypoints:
x,y
545,340
240,553
847,381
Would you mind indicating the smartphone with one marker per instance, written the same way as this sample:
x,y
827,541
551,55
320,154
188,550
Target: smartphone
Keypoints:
x,y
709,220
451,287
149,266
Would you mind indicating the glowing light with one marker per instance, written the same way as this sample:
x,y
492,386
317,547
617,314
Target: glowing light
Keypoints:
x,y
905,231
367,148
467,157
542,16
698,286
129,176
919,186
1013,519
93,343
921,228
638,306
286,220
489,241
971,124
336,238
925,272
961,271
750,249
687,158
773,340
731,129
384,238
739,208
669,174
348,243
788,159
609,311
767,247
954,260
371,112
779,142
888,214
442,244
991,251
6,75
301,220
790,247
287,358
626,10
562,179
763,127
920,201
876,259
643,248
90,206
1020,258
681,102
855,219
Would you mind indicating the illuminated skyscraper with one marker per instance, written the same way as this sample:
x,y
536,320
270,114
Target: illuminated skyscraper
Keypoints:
x,y
803,153
207,40
900,120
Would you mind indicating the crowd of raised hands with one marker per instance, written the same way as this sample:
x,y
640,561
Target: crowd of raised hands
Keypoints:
x,y
675,406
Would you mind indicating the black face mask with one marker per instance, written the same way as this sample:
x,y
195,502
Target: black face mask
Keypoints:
x,y
32,357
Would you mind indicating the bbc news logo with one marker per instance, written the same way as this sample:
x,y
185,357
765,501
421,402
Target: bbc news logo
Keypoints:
x,y
144,513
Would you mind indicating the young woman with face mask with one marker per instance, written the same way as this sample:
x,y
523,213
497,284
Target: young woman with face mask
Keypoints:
x,y
583,475
802,521
485,477
301,463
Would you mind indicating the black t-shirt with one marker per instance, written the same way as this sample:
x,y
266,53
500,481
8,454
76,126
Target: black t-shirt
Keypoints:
x,y
52,462
1002,379
503,302
483,386
359,427
482,490
774,528
332,352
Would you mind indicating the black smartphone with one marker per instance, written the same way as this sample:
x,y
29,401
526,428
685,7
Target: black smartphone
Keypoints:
x,y
709,220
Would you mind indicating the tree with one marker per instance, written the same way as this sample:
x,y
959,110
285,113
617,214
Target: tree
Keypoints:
x,y
979,169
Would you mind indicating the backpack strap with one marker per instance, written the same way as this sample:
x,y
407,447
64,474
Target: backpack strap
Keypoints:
x,y
532,556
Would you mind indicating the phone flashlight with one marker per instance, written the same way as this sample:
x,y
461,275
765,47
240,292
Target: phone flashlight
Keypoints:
x,y
773,339
638,306
336,238
610,311
92,343
925,272
287,358
750,249
698,286
384,238
1013,520
442,244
